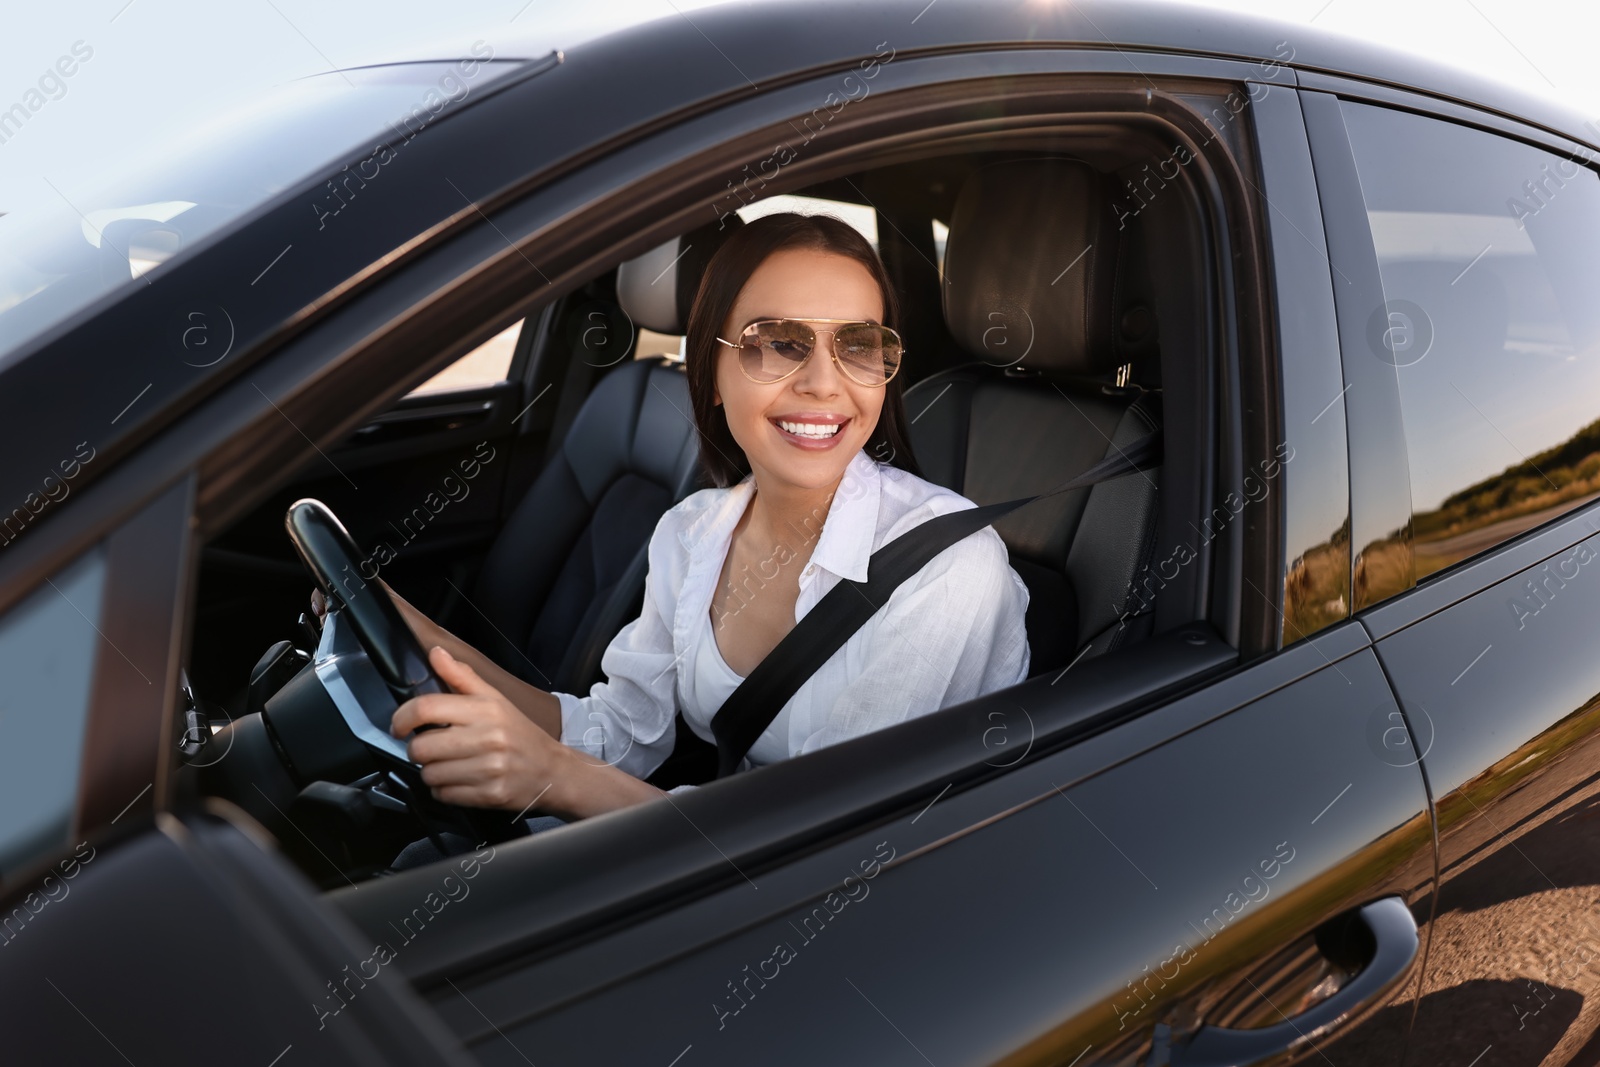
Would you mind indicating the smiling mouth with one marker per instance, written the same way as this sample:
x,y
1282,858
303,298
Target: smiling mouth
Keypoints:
x,y
815,430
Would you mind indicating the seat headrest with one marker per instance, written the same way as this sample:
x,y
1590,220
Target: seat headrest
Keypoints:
x,y
657,288
1029,266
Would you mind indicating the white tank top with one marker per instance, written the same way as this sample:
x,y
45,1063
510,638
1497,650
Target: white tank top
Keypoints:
x,y
713,682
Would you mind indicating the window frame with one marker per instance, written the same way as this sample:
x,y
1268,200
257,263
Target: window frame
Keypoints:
x,y
775,819
522,218
1310,369
146,613
1380,487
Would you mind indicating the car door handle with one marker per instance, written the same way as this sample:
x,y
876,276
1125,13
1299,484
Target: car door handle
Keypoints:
x,y
1394,933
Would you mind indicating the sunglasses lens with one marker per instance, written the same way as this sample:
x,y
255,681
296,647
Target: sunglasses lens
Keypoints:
x,y
870,354
770,350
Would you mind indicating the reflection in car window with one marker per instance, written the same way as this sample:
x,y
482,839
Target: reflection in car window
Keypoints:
x,y
48,645
1489,251
63,251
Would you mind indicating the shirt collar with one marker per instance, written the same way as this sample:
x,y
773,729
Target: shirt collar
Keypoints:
x,y
710,532
846,542
852,523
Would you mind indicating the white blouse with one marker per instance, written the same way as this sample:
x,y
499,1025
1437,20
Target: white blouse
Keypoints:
x,y
712,682
950,633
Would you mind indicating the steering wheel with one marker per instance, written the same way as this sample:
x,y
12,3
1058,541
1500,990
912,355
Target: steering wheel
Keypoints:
x,y
361,607
329,553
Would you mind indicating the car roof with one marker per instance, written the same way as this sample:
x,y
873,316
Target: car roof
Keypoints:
x,y
918,26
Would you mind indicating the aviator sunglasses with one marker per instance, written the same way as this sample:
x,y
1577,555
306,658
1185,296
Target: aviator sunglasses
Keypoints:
x,y
772,349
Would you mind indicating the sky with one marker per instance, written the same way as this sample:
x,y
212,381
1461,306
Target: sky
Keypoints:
x,y
158,67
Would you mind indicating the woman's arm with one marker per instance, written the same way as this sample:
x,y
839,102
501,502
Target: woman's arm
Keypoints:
x,y
539,706
515,745
493,756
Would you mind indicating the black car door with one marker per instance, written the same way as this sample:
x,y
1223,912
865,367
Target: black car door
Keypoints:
x,y
1488,341
1184,886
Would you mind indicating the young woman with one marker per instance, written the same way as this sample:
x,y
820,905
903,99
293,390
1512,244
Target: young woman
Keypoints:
x,y
792,364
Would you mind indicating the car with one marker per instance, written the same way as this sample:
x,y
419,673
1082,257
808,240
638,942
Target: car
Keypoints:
x,y
1306,768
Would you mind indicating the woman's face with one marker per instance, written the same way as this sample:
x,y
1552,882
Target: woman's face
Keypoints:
x,y
806,284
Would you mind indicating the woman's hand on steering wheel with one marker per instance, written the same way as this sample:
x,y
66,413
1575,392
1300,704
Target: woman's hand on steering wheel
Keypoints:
x,y
492,755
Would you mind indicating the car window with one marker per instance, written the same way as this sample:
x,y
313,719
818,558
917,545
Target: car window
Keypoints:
x,y
1489,252
941,234
490,362
48,644
652,343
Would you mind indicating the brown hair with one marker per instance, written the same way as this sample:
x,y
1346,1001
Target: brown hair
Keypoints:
x,y
730,268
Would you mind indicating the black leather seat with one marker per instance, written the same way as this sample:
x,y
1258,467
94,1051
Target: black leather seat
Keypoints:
x,y
1030,280
567,570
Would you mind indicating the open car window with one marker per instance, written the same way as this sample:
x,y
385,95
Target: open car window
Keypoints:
x,y
452,570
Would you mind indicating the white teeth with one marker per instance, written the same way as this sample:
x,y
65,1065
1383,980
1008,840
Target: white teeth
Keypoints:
x,y
810,429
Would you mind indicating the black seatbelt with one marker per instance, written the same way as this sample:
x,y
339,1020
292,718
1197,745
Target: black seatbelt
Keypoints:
x,y
750,708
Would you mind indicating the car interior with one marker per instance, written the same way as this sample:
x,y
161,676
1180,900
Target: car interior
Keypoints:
x,y
512,497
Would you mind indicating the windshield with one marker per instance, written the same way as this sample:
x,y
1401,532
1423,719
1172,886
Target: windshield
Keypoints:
x,y
76,244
